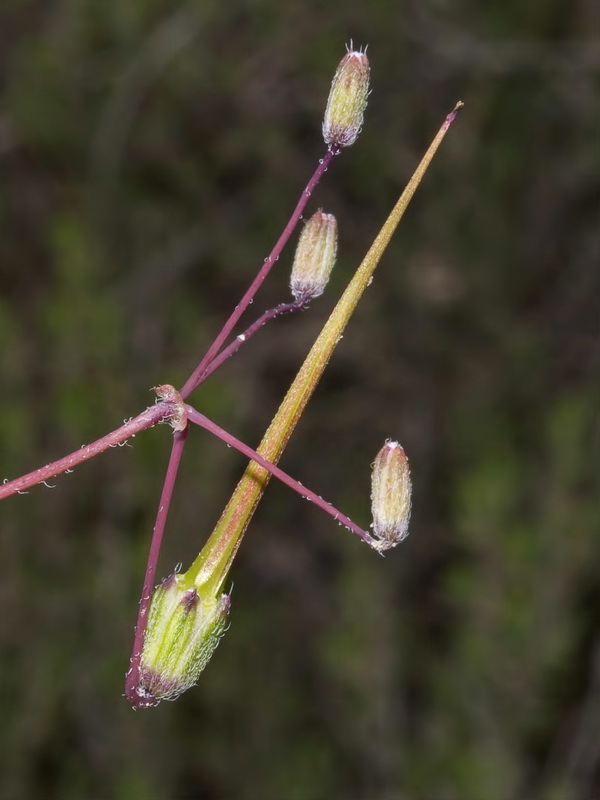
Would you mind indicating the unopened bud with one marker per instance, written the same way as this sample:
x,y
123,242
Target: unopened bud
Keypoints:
x,y
390,495
315,256
183,631
347,100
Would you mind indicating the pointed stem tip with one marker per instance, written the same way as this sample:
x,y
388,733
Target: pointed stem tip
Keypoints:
x,y
451,116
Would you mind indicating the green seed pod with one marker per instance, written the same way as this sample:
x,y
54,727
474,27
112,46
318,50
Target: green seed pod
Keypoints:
x,y
315,257
347,100
390,495
183,632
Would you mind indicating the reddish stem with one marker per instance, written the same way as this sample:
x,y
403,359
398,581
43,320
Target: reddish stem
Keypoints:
x,y
156,413
227,352
133,692
195,378
212,427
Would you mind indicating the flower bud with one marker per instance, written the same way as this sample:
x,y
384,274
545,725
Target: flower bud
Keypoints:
x,y
315,257
183,631
390,495
347,100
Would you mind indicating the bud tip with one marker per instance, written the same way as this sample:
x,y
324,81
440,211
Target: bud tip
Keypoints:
x,y
390,495
347,99
315,256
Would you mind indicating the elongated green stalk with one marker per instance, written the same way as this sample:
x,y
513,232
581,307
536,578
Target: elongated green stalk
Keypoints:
x,y
209,570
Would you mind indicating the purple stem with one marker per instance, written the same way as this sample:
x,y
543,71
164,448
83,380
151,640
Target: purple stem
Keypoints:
x,y
133,692
133,688
157,413
206,367
196,376
227,352
212,427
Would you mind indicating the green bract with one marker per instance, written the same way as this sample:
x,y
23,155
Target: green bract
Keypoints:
x,y
184,628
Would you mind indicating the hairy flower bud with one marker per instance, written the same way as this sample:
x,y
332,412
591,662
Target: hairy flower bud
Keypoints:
x,y
315,256
390,495
347,100
183,631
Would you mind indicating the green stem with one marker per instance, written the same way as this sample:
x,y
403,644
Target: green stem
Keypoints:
x,y
209,570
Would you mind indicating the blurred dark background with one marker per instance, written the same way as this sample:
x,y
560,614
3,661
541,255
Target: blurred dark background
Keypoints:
x,y
150,155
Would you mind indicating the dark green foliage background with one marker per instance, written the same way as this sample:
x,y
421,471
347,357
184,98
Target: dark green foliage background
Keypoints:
x,y
150,154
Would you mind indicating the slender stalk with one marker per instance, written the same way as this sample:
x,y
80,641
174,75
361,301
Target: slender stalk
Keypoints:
x,y
227,352
196,376
161,411
132,679
156,413
210,568
307,494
